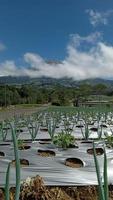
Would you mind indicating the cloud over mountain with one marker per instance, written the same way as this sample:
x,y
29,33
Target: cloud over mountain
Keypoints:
x,y
79,64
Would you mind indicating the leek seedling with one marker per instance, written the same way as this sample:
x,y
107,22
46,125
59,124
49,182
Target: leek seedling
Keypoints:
x,y
4,130
103,191
100,133
16,153
17,192
106,192
7,193
33,128
86,132
51,125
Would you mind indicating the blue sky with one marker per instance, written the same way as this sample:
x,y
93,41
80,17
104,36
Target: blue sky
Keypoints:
x,y
47,27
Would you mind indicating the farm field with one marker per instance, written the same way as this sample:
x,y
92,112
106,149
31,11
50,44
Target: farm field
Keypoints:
x,y
56,143
56,100
18,110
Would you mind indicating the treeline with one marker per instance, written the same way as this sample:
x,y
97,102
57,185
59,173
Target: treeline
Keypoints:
x,y
57,95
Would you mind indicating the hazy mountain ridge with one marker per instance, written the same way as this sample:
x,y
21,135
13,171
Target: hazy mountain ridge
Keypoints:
x,y
46,82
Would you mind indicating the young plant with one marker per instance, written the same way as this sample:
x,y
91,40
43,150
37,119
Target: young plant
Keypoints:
x,y
51,126
16,154
109,141
33,128
68,126
4,126
7,185
21,144
85,133
64,140
100,132
103,191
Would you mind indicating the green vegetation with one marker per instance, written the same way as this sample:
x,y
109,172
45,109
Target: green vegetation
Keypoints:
x,y
66,118
16,154
4,126
55,94
103,187
109,141
7,184
21,144
64,140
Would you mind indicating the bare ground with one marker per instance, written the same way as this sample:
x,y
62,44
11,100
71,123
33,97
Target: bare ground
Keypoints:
x,y
12,111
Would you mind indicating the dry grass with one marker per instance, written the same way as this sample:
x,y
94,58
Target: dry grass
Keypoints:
x,y
34,189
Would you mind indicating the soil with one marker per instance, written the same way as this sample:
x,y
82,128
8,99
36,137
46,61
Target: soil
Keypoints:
x,y
23,162
73,146
31,127
87,142
103,125
44,142
12,111
99,151
79,126
25,147
94,129
74,163
46,153
19,130
4,144
44,129
69,129
34,189
6,128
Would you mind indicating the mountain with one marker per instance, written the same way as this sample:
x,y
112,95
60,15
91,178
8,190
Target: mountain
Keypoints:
x,y
14,80
47,82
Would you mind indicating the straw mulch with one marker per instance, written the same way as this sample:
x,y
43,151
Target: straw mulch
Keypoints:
x,y
34,189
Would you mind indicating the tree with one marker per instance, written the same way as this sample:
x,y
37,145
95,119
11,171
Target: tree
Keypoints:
x,y
100,89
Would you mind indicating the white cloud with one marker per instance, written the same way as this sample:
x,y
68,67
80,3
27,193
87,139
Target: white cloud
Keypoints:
x,y
9,68
93,38
96,18
96,62
2,47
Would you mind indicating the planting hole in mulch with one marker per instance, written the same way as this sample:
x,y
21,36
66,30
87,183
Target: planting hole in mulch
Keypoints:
x,y
6,128
4,144
74,162
25,147
99,151
86,142
46,153
44,129
23,162
79,126
44,142
69,129
103,126
94,129
2,154
31,127
91,123
19,130
73,146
